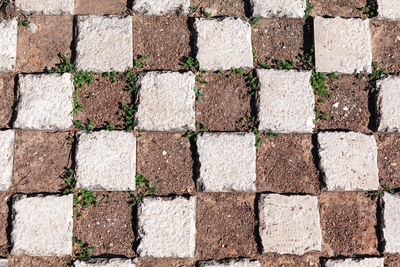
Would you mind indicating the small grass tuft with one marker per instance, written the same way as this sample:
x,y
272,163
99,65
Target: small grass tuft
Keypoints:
x,y
192,135
308,10
24,22
84,249
143,188
371,9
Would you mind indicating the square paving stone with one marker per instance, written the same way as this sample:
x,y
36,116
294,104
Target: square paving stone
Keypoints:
x,y
42,225
367,262
3,262
166,262
166,101
277,260
388,104
7,139
338,8
231,263
285,101
104,43
225,225
223,43
46,7
106,160
106,263
391,227
167,227
8,44
4,226
234,8
388,159
161,7
100,7
348,223
7,84
278,8
349,161
52,261
388,10
227,162
289,224
44,101
342,45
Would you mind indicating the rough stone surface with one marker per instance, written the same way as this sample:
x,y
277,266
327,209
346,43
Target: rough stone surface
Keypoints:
x,y
45,101
227,162
3,262
388,10
166,101
8,44
349,161
289,224
42,225
7,138
388,104
46,7
278,8
104,43
391,218
161,7
342,45
286,101
231,263
167,227
367,262
223,43
106,263
106,160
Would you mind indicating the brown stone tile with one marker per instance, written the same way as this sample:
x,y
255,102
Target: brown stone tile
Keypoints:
x,y
285,164
225,225
166,262
348,221
276,260
4,197
28,261
39,50
226,102
100,7
388,159
165,159
163,39
107,227
40,159
234,8
6,98
392,260
338,8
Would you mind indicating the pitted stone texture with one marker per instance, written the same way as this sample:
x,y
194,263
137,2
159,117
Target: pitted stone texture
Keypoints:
x,y
367,262
8,44
388,10
224,43
45,101
285,101
389,104
106,160
231,263
42,226
161,7
7,139
289,224
46,7
106,263
342,45
104,43
3,262
227,162
278,8
166,101
348,161
167,227
391,218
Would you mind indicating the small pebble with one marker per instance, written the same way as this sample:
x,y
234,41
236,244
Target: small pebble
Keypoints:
x,y
32,28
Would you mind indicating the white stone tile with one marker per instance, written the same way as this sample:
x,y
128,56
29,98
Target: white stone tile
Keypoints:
x,y
223,43
3,262
278,8
285,101
167,227
8,44
104,43
7,139
46,7
231,263
342,45
166,101
115,262
367,262
348,161
391,226
227,162
389,104
106,160
388,10
42,225
44,101
161,7
289,224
